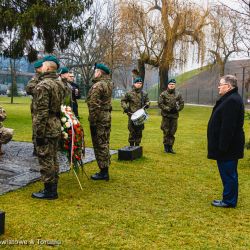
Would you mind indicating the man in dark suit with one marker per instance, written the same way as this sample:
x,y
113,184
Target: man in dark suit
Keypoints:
x,y
75,93
226,138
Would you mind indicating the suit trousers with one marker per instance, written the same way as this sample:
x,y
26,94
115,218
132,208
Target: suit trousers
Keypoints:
x,y
229,177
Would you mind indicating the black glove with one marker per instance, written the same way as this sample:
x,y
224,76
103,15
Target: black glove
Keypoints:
x,y
173,111
40,141
93,130
146,106
125,111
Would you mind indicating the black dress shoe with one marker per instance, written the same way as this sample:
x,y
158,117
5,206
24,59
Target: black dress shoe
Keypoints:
x,y
220,204
217,201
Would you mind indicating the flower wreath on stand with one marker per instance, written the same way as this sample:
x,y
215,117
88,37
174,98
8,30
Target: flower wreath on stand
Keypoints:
x,y
72,140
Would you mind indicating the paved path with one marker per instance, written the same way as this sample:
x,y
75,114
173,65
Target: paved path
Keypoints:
x,y
18,167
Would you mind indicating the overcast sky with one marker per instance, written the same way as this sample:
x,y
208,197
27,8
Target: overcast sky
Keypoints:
x,y
230,3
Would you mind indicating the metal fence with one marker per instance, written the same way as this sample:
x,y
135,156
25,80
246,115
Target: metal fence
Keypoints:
x,y
207,96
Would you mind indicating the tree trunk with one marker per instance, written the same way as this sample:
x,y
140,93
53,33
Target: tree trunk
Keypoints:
x,y
141,68
13,89
163,75
222,68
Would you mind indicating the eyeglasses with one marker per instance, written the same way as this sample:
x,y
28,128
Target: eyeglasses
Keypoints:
x,y
221,84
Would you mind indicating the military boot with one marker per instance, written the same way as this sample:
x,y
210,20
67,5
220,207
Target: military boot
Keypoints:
x,y
170,149
49,192
166,147
137,144
132,144
102,175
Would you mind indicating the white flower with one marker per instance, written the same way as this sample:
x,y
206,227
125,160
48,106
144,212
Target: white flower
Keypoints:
x,y
64,119
65,135
75,122
67,124
63,108
62,128
68,109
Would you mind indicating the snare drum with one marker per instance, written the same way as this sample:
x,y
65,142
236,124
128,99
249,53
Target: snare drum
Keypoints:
x,y
139,117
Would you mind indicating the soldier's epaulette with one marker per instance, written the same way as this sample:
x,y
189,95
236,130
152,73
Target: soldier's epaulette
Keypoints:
x,y
45,83
178,93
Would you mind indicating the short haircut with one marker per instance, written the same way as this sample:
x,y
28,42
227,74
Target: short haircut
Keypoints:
x,y
102,71
51,65
232,80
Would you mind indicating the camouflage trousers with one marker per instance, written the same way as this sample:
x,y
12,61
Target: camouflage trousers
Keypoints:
x,y
169,127
47,157
33,131
135,132
100,134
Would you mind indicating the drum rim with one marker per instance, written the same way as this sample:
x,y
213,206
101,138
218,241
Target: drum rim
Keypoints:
x,y
143,113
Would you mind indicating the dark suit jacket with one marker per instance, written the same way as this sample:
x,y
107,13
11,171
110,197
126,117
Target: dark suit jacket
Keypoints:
x,y
225,133
74,86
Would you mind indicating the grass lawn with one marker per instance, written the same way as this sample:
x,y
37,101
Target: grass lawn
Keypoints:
x,y
161,201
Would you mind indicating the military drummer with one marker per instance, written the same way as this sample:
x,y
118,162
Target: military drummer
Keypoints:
x,y
131,102
170,103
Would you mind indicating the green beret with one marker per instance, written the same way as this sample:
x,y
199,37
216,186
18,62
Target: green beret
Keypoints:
x,y
138,79
172,81
38,64
51,58
63,70
103,67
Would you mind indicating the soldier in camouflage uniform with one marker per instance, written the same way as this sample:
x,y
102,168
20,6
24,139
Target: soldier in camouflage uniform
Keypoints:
x,y
99,104
64,75
131,102
49,94
30,91
170,103
5,133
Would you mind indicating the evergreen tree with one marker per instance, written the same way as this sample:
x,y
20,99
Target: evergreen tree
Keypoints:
x,y
53,22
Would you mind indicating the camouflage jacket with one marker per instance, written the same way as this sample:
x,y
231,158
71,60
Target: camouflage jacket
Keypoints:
x,y
134,100
32,84
48,94
68,93
99,101
30,89
3,116
170,103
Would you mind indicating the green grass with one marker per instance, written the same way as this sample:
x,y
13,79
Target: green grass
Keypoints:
x,y
161,201
180,79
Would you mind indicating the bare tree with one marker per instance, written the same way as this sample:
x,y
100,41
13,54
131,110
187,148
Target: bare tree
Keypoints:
x,y
12,54
179,22
225,36
243,11
89,49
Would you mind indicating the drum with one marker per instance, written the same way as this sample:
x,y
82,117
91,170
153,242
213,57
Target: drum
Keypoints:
x,y
139,117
